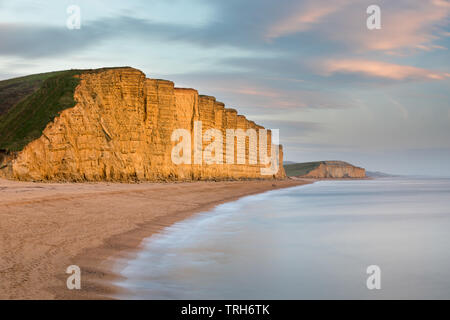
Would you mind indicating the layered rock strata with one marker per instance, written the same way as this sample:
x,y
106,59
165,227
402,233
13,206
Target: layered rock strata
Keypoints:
x,y
121,128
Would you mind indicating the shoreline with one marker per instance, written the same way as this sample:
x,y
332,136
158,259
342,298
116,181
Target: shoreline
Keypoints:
x,y
49,226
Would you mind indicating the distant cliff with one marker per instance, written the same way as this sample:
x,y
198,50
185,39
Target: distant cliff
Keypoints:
x,y
325,169
114,124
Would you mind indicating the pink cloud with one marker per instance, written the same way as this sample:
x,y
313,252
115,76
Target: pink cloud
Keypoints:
x,y
380,70
303,18
406,25
252,91
412,27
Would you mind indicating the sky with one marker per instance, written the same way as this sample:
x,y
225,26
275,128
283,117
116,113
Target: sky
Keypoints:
x,y
310,68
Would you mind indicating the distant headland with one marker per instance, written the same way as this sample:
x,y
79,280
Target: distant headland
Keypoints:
x,y
324,170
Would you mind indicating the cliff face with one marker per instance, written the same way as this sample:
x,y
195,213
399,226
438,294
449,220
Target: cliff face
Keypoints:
x,y
120,130
336,169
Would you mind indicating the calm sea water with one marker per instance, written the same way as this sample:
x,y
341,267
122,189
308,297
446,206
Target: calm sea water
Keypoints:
x,y
307,242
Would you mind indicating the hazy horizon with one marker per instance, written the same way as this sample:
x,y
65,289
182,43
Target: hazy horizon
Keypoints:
x,y
378,99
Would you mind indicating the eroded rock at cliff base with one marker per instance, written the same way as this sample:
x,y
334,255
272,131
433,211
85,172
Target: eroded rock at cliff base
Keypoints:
x,y
120,130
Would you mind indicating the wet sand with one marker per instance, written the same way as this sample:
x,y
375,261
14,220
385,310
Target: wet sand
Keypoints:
x,y
46,227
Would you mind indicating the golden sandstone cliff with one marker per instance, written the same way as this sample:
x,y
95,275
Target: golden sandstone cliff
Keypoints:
x,y
121,130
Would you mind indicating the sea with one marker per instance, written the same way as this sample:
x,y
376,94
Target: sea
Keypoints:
x,y
385,238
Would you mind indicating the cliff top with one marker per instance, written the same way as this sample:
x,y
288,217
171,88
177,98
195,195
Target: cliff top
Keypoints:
x,y
38,100
28,104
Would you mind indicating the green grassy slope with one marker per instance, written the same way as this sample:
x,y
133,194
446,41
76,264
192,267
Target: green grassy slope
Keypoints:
x,y
12,91
28,104
25,121
300,169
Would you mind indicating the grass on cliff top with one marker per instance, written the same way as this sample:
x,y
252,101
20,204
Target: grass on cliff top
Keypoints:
x,y
300,169
12,91
28,104
25,121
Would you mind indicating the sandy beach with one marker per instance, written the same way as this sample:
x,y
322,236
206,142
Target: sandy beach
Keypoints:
x,y
46,227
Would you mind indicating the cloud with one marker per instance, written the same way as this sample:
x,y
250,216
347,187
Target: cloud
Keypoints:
x,y
253,94
291,128
407,25
303,18
252,91
289,26
38,41
31,40
380,69
410,25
